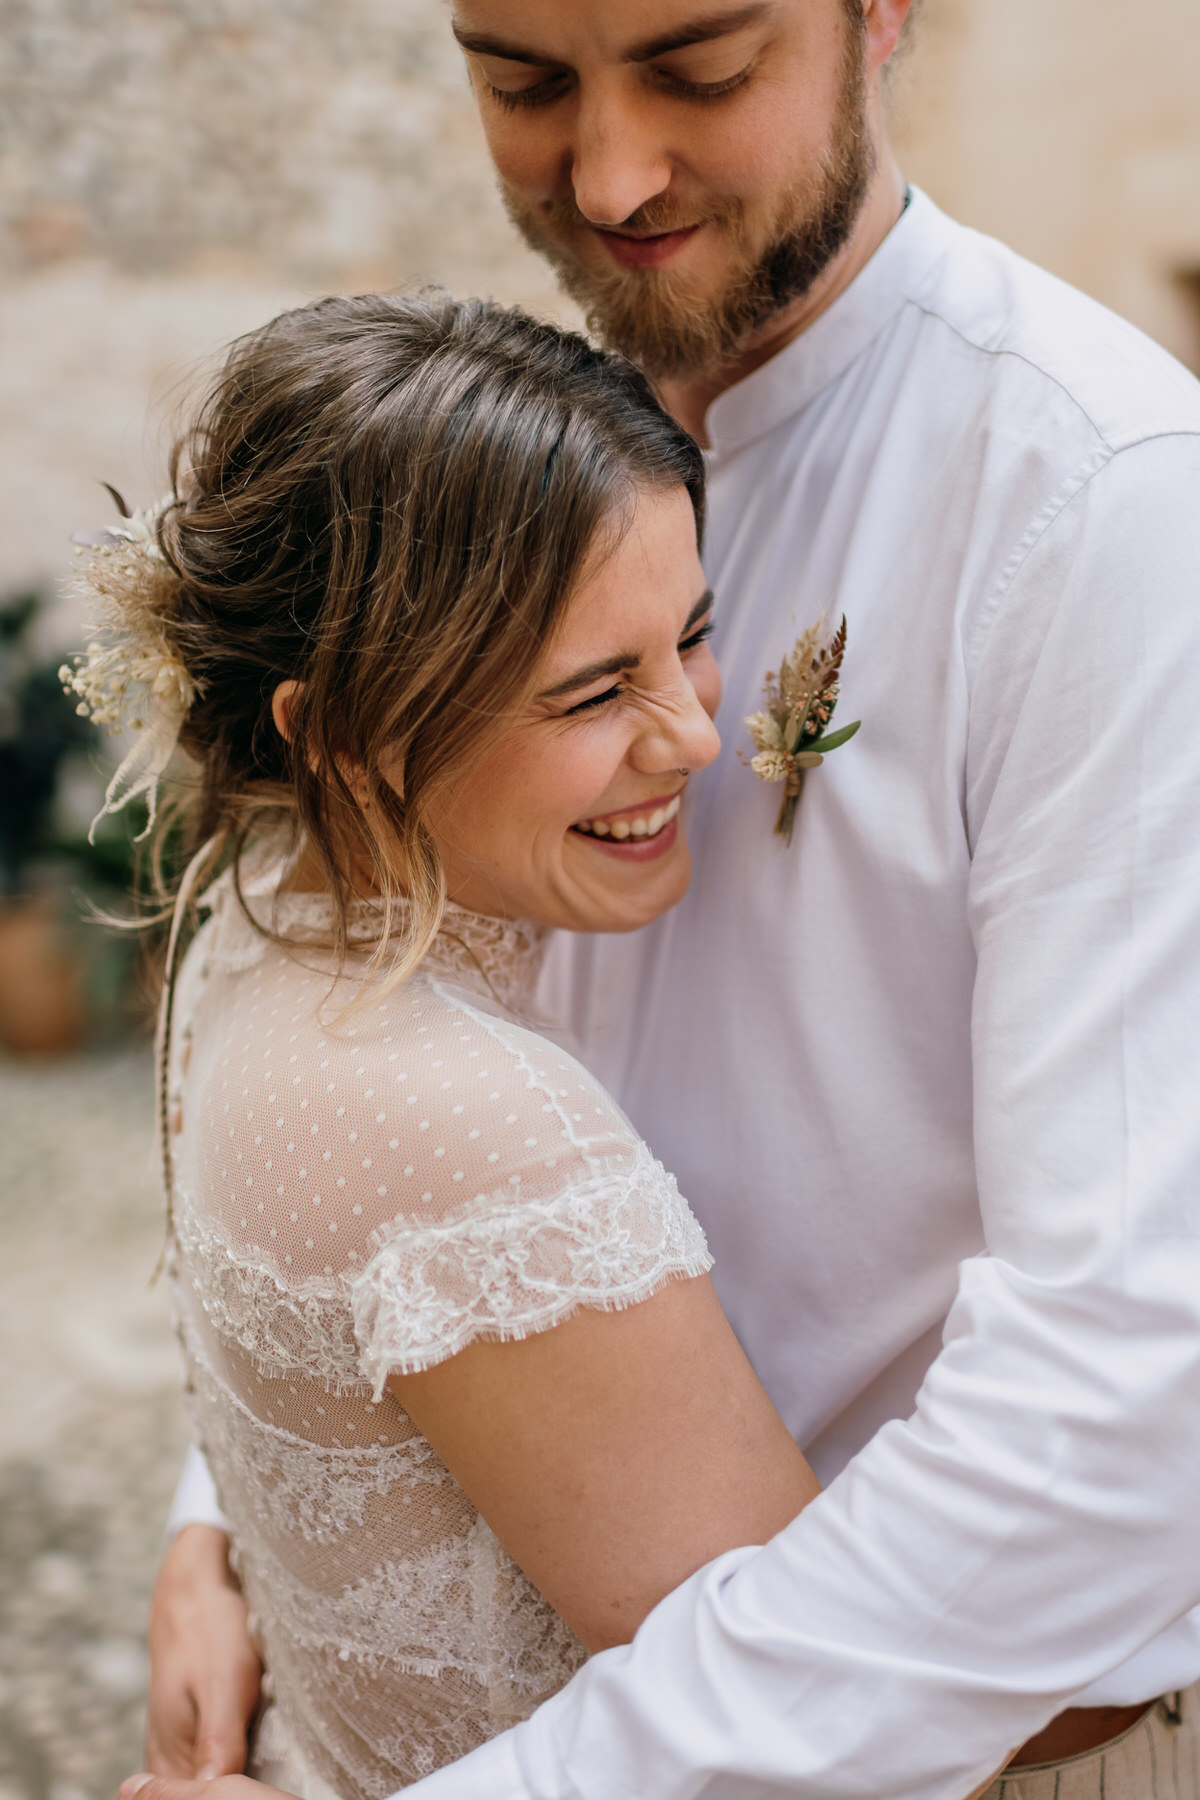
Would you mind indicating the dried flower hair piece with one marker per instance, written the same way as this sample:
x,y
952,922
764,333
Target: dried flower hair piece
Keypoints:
x,y
129,676
792,731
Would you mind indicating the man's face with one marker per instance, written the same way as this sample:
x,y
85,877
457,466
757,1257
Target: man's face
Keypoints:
x,y
688,168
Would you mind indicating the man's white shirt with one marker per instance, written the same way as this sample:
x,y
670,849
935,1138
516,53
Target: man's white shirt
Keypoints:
x,y
929,1076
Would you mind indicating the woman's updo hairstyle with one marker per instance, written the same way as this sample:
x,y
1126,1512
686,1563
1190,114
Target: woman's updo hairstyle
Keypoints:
x,y
387,500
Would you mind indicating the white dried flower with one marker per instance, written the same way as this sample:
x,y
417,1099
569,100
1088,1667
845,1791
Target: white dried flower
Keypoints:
x,y
130,676
770,765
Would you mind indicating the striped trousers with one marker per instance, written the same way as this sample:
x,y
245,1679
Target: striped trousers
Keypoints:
x,y
1156,1759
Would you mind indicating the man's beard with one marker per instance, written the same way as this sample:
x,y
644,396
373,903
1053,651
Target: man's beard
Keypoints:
x,y
651,316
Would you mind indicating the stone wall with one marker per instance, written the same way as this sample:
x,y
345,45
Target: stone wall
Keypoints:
x,y
174,171
1071,129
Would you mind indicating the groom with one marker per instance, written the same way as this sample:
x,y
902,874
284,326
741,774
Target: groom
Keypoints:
x,y
928,1073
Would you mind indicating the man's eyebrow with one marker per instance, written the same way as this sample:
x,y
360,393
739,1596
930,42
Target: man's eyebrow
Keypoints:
x,y
700,31
613,665
478,43
695,31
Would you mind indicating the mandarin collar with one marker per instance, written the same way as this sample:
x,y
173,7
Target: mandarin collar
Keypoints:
x,y
896,275
501,958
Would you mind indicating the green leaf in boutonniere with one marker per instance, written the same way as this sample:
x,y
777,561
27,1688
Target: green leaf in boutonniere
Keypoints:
x,y
791,732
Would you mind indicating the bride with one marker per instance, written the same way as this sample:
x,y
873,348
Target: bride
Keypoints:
x,y
429,602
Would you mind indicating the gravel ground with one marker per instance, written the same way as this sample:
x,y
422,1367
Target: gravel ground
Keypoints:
x,y
91,1428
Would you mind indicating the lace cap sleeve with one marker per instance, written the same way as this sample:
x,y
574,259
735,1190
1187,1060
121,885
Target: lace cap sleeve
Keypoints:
x,y
559,1206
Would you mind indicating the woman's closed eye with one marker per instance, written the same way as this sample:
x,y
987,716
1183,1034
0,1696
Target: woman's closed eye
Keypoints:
x,y
692,641
699,636
594,700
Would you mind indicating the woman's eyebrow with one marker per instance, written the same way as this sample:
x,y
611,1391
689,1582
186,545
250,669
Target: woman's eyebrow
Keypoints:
x,y
613,665
704,604
701,30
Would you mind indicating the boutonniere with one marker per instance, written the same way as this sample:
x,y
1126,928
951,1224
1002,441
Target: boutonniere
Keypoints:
x,y
792,730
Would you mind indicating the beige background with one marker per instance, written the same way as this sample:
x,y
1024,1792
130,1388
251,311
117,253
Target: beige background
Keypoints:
x,y
174,171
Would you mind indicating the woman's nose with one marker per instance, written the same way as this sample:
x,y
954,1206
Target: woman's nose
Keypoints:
x,y
683,737
701,743
619,161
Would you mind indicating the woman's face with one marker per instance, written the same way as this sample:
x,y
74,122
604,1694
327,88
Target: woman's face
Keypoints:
x,y
572,818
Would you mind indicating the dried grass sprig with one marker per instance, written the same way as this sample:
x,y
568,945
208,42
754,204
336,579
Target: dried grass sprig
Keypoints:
x,y
791,731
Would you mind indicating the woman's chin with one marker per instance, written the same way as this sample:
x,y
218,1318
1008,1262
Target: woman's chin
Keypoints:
x,y
624,894
595,887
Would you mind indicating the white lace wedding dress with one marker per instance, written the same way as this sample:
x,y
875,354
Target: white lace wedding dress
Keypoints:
x,y
366,1192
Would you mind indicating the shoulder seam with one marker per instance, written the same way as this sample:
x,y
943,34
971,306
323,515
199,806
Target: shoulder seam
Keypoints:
x,y
1050,511
1112,444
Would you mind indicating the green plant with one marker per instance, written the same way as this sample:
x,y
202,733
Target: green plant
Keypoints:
x,y
53,769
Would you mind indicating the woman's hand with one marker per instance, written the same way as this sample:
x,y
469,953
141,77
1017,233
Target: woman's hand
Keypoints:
x,y
204,1669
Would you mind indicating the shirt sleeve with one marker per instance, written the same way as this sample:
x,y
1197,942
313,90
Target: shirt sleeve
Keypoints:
x,y
1033,1524
195,1499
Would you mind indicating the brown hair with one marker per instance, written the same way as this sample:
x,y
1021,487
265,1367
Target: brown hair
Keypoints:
x,y
387,500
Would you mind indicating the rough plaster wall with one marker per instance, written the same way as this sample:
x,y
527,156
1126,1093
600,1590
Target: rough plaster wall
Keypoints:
x,y
1071,130
322,140
174,171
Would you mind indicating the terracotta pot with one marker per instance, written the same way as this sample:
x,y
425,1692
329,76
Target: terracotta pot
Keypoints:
x,y
41,980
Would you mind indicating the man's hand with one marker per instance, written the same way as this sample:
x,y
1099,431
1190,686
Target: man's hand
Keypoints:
x,y
204,1669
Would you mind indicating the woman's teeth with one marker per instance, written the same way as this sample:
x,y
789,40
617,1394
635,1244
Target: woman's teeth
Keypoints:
x,y
645,825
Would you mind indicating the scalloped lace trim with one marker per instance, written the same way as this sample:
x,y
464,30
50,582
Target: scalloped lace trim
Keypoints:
x,y
513,1265
286,1328
318,1490
518,1265
389,1661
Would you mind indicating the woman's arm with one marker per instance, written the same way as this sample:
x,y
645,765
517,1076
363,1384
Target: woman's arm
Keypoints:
x,y
615,1454
612,1456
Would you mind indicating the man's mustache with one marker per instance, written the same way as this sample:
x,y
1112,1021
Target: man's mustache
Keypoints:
x,y
653,218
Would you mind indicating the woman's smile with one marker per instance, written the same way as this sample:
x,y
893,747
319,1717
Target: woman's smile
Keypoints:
x,y
637,832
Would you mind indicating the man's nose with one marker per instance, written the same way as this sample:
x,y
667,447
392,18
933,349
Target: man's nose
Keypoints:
x,y
619,160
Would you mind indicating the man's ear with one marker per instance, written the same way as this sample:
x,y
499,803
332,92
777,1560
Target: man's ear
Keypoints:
x,y
283,702
884,21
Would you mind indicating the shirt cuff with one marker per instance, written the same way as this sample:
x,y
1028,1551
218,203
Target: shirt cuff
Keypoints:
x,y
195,1501
489,1773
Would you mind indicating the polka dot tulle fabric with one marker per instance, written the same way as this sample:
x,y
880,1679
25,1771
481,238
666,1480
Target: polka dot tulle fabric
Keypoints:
x,y
365,1191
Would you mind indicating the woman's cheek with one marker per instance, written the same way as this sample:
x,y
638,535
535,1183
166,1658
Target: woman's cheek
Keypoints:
x,y
595,760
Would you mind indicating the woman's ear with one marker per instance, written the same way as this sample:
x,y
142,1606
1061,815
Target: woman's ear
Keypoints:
x,y
283,701
283,708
